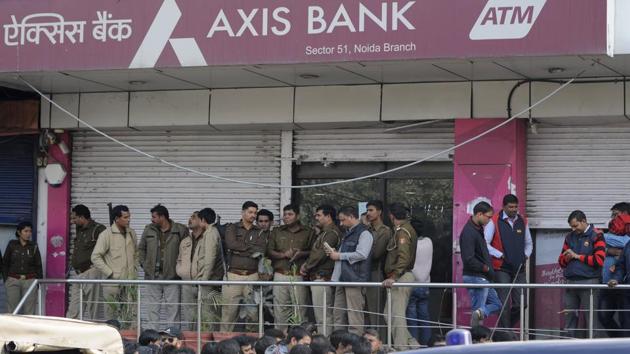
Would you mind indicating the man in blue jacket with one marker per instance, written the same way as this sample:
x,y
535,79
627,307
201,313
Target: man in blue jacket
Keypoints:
x,y
619,275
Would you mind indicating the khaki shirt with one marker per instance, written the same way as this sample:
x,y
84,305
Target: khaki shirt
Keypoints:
x,y
401,251
285,237
242,245
203,262
158,250
84,243
318,264
115,254
382,237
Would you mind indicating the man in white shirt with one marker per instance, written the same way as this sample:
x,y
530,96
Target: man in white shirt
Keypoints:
x,y
418,306
510,245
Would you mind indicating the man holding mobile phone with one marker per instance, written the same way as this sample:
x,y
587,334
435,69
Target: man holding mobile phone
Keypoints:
x,y
318,267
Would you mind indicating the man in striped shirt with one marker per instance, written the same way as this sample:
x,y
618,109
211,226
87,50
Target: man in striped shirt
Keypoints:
x,y
582,258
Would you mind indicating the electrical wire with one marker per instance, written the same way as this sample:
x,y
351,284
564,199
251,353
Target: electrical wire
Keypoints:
x,y
266,185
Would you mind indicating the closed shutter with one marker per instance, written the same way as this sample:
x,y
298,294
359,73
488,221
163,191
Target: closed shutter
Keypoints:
x,y
17,179
374,144
104,172
569,168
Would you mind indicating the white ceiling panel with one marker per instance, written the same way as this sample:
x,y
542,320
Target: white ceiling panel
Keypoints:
x,y
538,68
320,75
136,80
53,82
223,77
404,71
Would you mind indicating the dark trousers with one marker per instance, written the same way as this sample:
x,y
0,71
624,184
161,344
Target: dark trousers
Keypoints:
x,y
611,300
625,315
510,298
576,305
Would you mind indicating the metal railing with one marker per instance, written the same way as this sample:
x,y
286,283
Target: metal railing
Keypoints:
x,y
524,330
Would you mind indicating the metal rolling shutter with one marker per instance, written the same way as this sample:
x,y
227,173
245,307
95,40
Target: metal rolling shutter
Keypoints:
x,y
568,168
103,172
374,144
17,179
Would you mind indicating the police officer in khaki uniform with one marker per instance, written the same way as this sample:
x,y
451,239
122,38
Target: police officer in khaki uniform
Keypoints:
x,y
115,257
245,245
21,266
158,252
87,231
401,254
382,236
288,247
319,267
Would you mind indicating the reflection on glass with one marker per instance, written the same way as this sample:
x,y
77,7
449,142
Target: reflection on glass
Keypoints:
x,y
336,195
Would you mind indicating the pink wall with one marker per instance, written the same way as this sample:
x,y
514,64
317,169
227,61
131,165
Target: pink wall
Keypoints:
x,y
487,168
58,234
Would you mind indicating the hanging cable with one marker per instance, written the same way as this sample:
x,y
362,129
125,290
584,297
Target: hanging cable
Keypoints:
x,y
319,185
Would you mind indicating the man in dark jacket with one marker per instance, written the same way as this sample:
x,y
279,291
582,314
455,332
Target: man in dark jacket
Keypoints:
x,y
582,258
87,231
478,265
158,252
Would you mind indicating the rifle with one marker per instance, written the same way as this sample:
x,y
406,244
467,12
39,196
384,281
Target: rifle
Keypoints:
x,y
111,217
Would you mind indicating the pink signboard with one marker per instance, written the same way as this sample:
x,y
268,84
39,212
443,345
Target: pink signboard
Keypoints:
x,y
112,34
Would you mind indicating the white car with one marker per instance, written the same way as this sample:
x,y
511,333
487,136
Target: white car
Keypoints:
x,y
27,334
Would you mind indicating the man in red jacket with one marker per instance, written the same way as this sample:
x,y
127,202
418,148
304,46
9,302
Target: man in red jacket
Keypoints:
x,y
620,223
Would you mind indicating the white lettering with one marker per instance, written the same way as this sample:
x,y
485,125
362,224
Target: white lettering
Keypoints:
x,y
221,23
265,21
399,16
506,19
276,16
381,22
106,28
56,30
319,50
367,48
399,47
338,22
247,22
316,16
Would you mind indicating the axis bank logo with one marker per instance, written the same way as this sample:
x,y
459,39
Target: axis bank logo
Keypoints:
x,y
506,19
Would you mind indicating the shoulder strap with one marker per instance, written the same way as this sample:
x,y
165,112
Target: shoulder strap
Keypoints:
x,y
406,231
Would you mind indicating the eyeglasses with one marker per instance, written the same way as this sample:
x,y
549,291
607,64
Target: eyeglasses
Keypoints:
x,y
168,339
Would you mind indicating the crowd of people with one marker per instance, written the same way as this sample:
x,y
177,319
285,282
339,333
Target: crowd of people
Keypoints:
x,y
303,339
338,248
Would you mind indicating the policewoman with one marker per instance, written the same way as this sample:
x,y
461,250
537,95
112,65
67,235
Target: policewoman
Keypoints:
x,y
21,266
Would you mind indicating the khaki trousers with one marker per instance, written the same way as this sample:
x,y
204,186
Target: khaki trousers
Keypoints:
x,y
349,305
91,294
375,301
317,294
210,307
16,289
232,295
401,337
155,294
289,302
